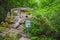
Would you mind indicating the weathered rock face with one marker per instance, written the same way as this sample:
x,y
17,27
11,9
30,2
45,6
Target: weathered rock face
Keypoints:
x,y
17,24
10,32
13,32
17,21
21,28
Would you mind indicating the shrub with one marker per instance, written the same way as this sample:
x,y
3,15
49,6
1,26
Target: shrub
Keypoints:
x,y
41,26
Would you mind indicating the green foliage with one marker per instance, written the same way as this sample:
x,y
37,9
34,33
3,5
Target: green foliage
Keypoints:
x,y
9,19
9,36
41,26
35,38
47,38
2,29
5,24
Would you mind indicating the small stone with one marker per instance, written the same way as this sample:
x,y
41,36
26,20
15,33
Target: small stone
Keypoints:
x,y
22,38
